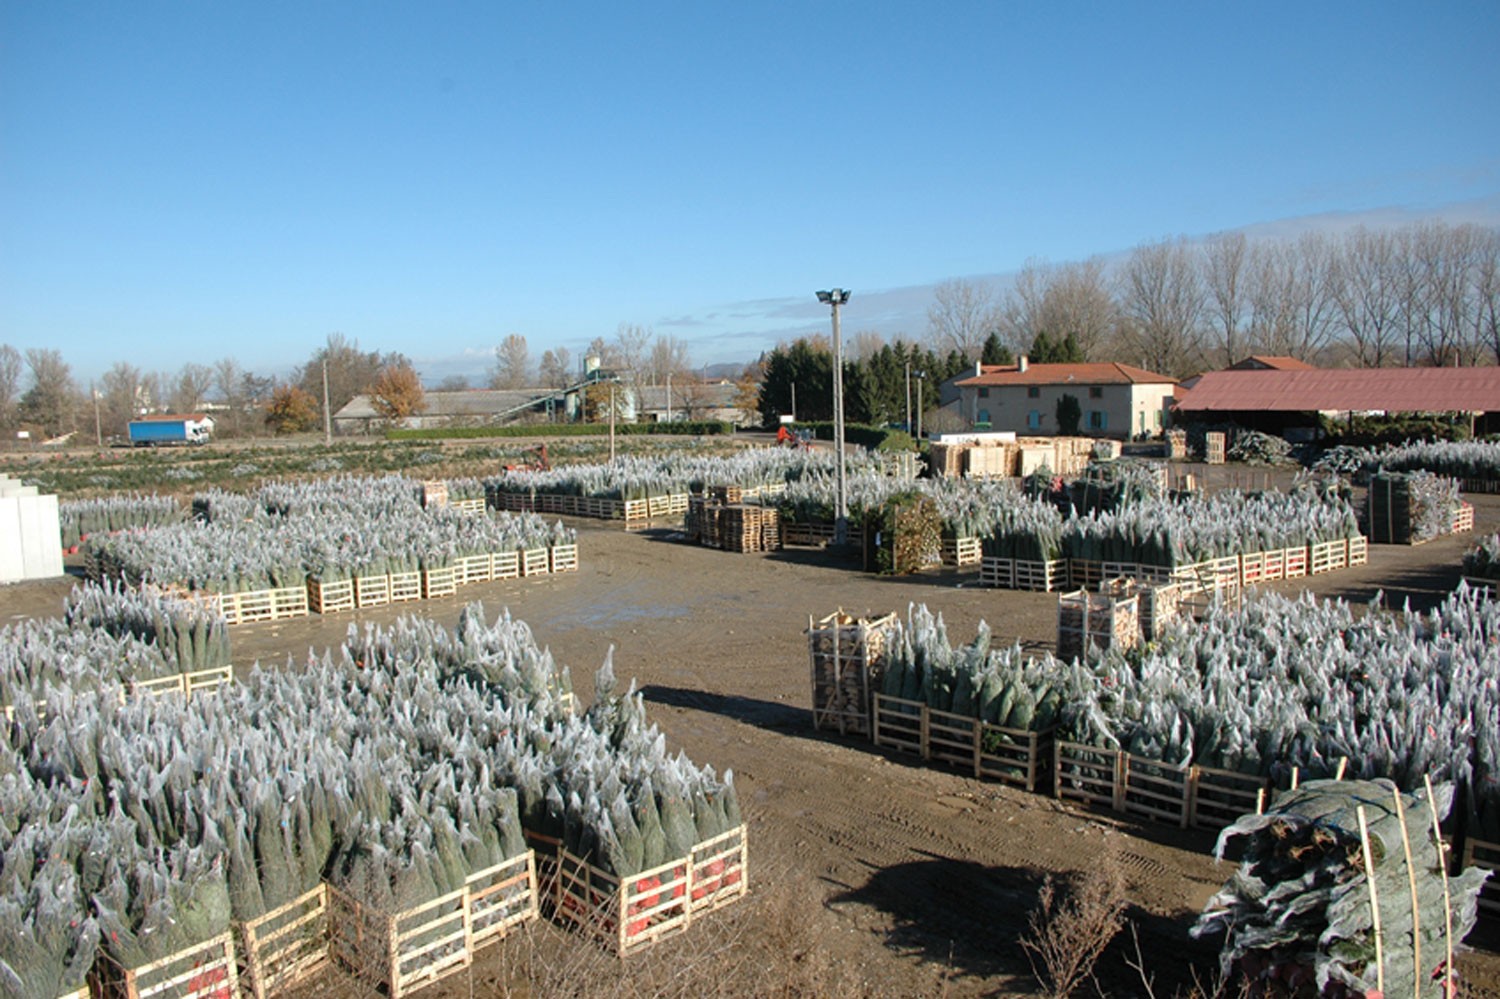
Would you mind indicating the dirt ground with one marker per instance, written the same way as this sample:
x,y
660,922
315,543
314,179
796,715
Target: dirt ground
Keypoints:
x,y
871,872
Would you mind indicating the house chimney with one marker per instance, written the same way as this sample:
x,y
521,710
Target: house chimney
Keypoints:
x,y
978,368
1021,362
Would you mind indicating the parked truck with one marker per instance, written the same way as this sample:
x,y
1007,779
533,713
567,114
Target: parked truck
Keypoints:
x,y
160,430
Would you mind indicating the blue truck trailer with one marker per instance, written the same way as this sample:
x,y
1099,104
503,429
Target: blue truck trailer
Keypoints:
x,y
169,430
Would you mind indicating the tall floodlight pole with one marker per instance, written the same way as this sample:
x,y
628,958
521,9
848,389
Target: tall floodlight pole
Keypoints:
x,y
327,416
908,396
836,298
669,397
921,383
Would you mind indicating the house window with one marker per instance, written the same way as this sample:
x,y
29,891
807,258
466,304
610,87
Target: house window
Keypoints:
x,y
984,393
1096,392
1034,420
1098,420
1034,392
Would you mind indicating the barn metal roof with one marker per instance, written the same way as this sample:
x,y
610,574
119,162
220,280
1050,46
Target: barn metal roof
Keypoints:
x,y
1390,390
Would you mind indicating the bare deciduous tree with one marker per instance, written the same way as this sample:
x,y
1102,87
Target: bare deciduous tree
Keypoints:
x,y
1077,302
512,363
11,366
1161,300
350,370
1364,284
962,314
50,402
557,368
1224,278
191,389
669,356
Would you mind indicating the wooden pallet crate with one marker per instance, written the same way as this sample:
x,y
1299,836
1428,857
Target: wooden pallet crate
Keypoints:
x,y
1252,568
206,679
1295,561
330,598
562,558
1273,565
806,535
633,510
155,686
1152,789
439,583
847,657
961,551
1480,485
372,591
1478,853
1087,774
501,898
434,493
534,562
285,946
1213,447
475,505
553,503
1357,550
206,971
405,586
505,565
631,915
1096,621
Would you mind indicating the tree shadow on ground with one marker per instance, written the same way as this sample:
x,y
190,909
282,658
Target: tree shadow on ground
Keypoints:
x,y
971,918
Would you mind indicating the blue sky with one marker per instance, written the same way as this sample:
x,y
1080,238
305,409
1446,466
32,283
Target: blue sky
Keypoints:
x,y
185,181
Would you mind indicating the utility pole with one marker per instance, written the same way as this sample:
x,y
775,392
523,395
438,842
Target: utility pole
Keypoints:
x,y
327,416
908,396
836,298
98,426
669,397
611,423
794,402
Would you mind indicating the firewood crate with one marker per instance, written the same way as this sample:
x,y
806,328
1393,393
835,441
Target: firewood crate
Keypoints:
x,y
285,946
505,565
408,950
847,656
207,971
961,551
1478,853
629,915
372,591
1018,757
330,598
562,558
534,562
1358,548
471,569
1096,621
405,586
1463,520
439,583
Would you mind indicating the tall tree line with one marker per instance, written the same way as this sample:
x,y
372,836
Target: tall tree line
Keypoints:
x,y
1426,294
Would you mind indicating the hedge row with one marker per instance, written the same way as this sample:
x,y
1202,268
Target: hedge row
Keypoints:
x,y
691,428
874,438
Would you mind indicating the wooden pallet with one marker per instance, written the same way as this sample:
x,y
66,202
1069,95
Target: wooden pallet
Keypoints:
x,y
263,605
206,679
285,946
562,558
505,565
1296,562
372,591
961,551
468,505
997,572
630,915
1012,756
1040,577
1463,520
534,562
1085,574
417,947
1213,447
439,583
1086,774
405,586
1327,556
1358,550
805,535
470,569
207,971
1273,565
330,598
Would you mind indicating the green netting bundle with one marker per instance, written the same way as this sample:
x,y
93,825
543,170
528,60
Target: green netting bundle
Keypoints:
x,y
1483,560
189,634
1301,897
47,938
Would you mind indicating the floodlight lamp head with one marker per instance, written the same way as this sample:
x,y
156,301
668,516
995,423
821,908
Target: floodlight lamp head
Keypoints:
x,y
825,297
